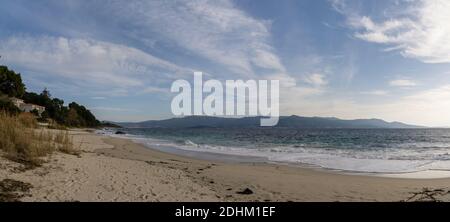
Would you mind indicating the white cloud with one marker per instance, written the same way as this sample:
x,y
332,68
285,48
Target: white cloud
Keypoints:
x,y
427,107
316,79
88,61
402,83
419,30
152,89
376,92
216,30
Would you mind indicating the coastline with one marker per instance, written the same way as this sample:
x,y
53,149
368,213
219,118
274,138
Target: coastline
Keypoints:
x,y
118,169
236,159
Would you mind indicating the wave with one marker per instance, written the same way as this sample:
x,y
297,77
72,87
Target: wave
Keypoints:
x,y
187,143
353,160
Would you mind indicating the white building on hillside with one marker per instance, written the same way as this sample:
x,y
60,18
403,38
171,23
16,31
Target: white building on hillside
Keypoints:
x,y
27,107
17,102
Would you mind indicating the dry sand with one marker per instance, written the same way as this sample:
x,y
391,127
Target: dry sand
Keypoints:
x,y
114,169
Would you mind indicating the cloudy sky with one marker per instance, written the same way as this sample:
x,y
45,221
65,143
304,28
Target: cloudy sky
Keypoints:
x,y
386,59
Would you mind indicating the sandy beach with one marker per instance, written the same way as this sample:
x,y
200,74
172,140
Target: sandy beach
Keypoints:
x,y
116,169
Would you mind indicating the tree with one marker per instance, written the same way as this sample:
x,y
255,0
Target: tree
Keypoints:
x,y
11,83
35,112
86,118
31,97
46,93
72,118
44,117
7,106
73,115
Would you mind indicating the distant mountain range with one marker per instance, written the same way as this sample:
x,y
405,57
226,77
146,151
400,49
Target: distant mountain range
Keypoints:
x,y
285,121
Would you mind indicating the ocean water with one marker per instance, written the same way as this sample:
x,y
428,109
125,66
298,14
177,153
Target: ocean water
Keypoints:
x,y
356,150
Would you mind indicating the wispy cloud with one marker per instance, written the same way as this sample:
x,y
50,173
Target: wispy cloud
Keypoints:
x,y
316,79
151,89
376,92
88,61
215,30
418,30
403,83
427,107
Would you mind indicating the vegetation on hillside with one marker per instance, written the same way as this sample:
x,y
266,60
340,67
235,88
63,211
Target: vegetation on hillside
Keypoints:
x,y
73,115
11,83
20,138
7,106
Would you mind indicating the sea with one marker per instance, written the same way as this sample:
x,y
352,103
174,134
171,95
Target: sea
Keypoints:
x,y
351,150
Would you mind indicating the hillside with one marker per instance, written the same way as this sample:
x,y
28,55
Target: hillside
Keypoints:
x,y
285,121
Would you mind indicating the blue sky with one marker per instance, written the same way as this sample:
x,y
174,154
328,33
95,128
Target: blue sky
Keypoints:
x,y
386,59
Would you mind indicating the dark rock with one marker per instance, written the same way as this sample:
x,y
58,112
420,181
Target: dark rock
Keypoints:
x,y
246,191
120,132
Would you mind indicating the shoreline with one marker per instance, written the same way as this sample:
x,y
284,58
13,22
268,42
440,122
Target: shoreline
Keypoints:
x,y
356,187
118,169
236,158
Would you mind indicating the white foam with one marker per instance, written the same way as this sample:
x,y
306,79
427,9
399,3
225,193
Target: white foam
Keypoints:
x,y
425,174
389,162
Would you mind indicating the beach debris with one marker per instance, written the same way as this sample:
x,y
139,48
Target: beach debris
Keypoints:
x,y
71,201
428,195
246,191
156,162
120,132
13,190
202,169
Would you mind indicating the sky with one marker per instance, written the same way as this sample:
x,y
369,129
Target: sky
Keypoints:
x,y
387,59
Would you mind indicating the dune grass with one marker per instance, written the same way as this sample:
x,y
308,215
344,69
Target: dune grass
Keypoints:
x,y
28,120
54,125
21,142
65,144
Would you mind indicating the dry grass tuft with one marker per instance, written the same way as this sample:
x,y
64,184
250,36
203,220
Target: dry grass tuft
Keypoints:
x,y
21,143
54,125
65,143
28,120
